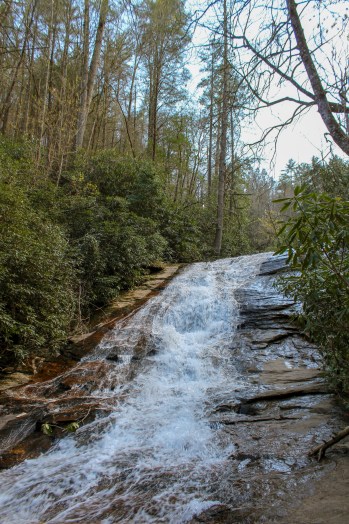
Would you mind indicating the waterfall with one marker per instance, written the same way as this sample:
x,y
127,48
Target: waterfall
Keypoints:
x,y
157,457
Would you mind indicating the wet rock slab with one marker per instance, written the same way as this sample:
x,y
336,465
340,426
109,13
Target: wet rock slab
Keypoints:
x,y
276,418
221,514
274,265
126,304
14,379
66,391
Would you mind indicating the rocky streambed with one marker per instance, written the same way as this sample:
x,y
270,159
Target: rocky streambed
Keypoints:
x,y
286,410
57,391
274,411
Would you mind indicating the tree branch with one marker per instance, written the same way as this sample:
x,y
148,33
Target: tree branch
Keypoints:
x,y
334,128
321,449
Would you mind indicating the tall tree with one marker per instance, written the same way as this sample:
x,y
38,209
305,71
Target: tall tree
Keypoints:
x,y
223,137
20,53
163,44
89,71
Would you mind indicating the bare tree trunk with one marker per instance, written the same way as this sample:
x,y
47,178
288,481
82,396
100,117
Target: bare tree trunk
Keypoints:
x,y
20,103
133,79
84,79
25,125
210,133
153,109
7,102
51,128
90,73
217,139
96,52
195,172
232,175
62,140
343,96
155,72
51,43
223,140
130,128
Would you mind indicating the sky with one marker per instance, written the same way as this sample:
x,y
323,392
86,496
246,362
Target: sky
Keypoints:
x,y
300,141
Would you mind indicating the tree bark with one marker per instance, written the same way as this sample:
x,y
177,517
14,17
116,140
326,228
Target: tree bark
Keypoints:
x,y
46,102
223,140
7,102
90,73
155,75
96,51
232,174
210,133
84,78
62,139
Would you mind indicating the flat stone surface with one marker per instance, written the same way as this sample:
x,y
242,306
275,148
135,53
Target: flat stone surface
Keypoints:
x,y
284,411
14,379
268,335
327,500
152,283
9,419
221,514
273,265
289,376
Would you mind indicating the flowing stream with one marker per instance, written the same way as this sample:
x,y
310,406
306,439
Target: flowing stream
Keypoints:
x,y
157,458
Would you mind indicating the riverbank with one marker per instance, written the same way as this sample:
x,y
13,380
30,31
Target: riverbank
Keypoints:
x,y
39,369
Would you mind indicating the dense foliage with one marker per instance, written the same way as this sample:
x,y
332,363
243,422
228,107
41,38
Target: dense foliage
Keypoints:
x,y
36,278
108,165
316,238
69,248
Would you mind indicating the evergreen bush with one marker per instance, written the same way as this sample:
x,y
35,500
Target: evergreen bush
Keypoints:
x,y
316,239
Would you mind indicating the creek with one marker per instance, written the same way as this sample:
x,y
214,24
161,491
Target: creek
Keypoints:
x,y
157,457
169,445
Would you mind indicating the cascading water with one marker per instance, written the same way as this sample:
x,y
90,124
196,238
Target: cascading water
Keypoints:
x,y
157,457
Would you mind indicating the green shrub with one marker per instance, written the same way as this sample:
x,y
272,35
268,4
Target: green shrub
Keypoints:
x,y
138,182
316,239
183,228
36,279
16,162
138,187
111,209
